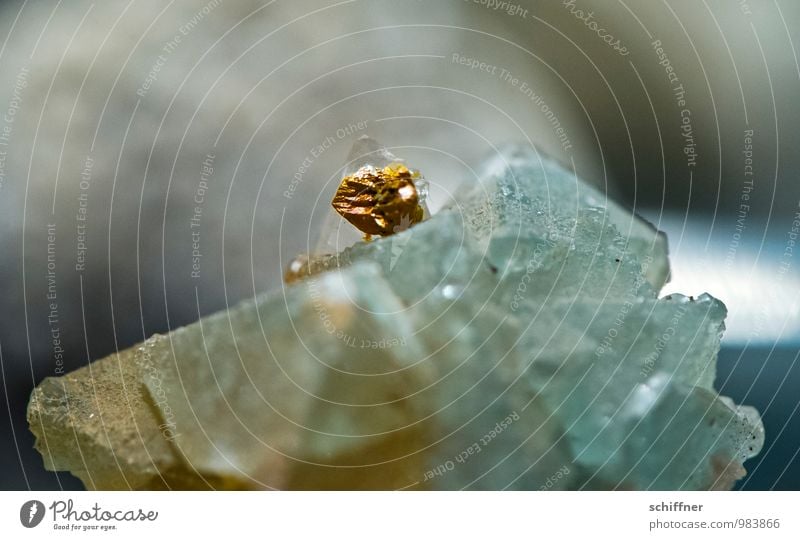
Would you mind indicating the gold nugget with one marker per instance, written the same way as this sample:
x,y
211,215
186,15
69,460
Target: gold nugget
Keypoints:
x,y
379,201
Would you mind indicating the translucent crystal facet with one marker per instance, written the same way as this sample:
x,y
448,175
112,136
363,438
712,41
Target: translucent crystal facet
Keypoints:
x,y
513,340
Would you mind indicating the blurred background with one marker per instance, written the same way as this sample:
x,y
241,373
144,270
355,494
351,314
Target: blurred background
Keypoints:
x,y
160,161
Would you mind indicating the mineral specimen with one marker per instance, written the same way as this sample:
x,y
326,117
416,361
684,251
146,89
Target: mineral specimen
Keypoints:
x,y
381,196
513,340
379,201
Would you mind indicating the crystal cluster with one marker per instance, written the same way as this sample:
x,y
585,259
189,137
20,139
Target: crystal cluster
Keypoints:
x,y
514,340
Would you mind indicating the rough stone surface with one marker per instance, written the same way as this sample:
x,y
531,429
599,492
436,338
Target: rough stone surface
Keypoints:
x,y
514,340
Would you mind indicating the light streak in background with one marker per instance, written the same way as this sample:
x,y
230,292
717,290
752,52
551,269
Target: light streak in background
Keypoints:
x,y
759,283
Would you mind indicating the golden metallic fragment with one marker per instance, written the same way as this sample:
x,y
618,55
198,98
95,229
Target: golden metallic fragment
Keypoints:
x,y
303,266
379,201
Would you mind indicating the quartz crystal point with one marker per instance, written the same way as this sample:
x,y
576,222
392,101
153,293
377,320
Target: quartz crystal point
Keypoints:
x,y
513,340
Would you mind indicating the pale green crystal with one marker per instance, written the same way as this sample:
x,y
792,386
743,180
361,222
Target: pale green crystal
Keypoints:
x,y
513,340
